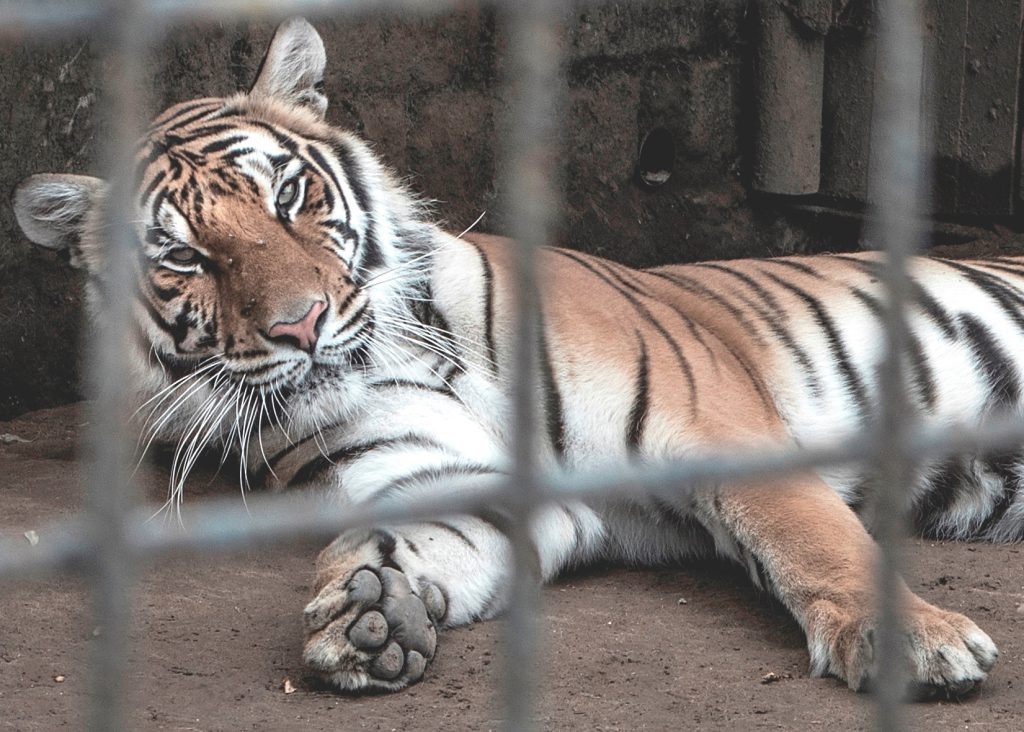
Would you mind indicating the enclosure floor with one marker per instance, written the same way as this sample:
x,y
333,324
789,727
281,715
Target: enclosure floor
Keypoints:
x,y
215,639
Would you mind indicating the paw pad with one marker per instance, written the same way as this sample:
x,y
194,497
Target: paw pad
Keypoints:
x,y
370,631
374,631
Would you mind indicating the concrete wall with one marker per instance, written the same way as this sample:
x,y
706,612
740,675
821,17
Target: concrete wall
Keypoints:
x,y
426,94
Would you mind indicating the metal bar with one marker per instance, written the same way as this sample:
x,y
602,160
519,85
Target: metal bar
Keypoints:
x,y
529,170
82,17
226,525
894,190
54,18
109,493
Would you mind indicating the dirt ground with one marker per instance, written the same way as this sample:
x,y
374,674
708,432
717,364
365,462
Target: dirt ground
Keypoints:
x,y
670,648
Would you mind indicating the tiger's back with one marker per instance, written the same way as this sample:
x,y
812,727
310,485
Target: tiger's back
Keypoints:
x,y
658,362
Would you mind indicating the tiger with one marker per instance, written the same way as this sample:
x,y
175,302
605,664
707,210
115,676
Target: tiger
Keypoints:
x,y
294,304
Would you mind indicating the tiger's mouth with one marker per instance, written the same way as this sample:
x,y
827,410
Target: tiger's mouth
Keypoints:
x,y
280,373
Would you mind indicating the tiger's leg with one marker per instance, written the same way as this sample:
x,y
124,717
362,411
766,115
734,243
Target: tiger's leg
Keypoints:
x,y
382,595
816,556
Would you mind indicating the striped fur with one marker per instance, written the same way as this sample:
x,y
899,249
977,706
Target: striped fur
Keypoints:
x,y
406,393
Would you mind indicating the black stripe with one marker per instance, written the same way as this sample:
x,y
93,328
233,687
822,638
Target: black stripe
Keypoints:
x,y
350,453
354,318
222,144
488,275
321,162
233,156
641,401
283,140
1006,466
181,118
186,122
157,180
928,304
1000,267
439,473
552,398
1003,380
923,375
165,294
386,545
577,528
274,460
408,384
454,531
1009,301
370,256
946,481
412,546
157,318
207,131
798,266
198,199
620,277
839,353
342,227
666,513
810,374
695,288
755,380
618,283
684,363
504,522
353,173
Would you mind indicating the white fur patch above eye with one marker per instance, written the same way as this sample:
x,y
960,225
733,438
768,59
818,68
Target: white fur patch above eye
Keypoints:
x,y
174,223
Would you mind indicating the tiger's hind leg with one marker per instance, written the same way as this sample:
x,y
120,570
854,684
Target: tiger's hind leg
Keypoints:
x,y
382,596
797,536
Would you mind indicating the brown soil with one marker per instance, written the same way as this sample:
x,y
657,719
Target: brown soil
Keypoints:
x,y
214,641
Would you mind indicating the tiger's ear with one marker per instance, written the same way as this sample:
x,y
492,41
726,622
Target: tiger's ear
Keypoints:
x,y
52,210
293,69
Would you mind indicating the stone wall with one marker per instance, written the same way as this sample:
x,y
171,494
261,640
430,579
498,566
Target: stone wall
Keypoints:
x,y
426,93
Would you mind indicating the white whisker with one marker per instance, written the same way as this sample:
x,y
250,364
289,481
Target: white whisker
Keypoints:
x,y
473,225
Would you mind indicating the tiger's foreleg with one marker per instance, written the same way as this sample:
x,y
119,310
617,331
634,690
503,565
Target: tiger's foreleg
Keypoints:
x,y
383,595
797,536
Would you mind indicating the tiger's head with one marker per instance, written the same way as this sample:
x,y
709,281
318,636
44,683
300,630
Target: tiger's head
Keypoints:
x,y
274,252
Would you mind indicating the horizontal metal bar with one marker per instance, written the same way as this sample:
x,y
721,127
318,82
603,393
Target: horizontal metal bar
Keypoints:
x,y
56,18
228,525
84,17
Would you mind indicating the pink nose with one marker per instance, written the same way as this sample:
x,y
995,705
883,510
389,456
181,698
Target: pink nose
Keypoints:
x,y
304,331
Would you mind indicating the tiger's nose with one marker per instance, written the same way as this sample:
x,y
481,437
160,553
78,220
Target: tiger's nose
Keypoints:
x,y
304,332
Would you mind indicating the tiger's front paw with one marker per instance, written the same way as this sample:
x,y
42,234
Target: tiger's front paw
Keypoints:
x,y
373,630
945,653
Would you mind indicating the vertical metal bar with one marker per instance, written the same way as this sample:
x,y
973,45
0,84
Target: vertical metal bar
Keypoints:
x,y
109,494
895,192
534,81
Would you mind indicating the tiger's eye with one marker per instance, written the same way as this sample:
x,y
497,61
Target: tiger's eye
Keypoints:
x,y
286,196
183,255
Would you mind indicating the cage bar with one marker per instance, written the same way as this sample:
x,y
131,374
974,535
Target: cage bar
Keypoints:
x,y
895,187
534,81
109,492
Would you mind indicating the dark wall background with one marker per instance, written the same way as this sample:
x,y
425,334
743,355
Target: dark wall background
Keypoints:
x,y
426,93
